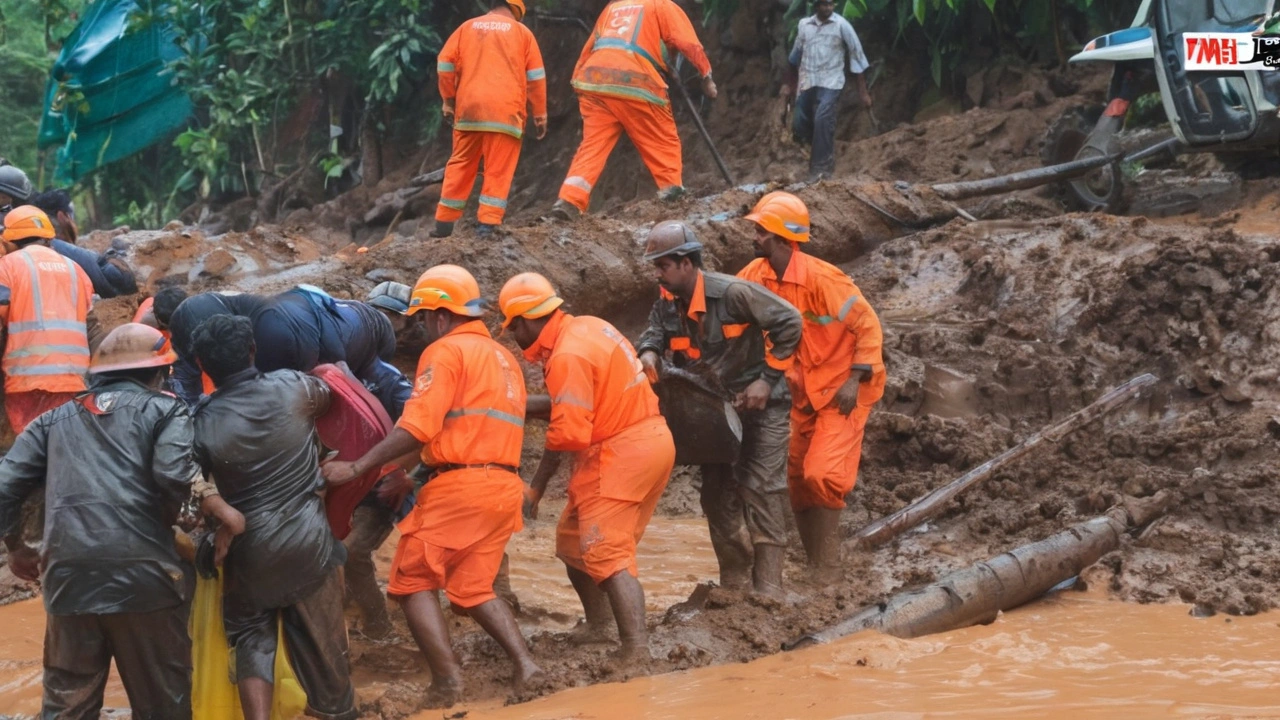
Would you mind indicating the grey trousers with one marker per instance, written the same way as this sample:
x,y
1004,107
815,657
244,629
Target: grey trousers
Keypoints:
x,y
746,503
814,121
152,652
315,633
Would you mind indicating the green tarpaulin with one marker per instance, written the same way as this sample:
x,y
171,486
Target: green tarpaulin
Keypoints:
x,y
109,95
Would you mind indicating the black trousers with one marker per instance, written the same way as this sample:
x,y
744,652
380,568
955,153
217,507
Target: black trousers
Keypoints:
x,y
152,652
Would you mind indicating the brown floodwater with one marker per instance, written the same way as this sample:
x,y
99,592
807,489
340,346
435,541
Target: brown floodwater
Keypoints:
x,y
1072,654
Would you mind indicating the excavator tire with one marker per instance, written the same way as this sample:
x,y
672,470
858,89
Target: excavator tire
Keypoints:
x,y
1101,190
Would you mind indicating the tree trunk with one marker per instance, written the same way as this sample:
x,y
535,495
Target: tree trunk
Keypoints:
x,y
976,594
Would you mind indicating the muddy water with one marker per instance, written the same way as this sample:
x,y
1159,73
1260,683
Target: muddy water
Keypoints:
x,y
1073,655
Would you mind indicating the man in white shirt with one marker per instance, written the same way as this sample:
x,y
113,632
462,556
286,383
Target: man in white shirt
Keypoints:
x,y
823,40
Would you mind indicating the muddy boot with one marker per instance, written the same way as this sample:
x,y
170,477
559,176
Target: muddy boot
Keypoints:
x,y
485,230
565,211
820,532
671,194
766,573
442,229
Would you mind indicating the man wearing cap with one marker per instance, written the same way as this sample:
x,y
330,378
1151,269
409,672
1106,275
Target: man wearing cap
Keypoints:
x,y
45,301
115,467
838,376
15,188
746,338
490,72
605,414
823,41
466,418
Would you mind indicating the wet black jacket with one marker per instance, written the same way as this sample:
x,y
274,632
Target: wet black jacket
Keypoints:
x,y
302,328
115,477
186,318
256,436
728,338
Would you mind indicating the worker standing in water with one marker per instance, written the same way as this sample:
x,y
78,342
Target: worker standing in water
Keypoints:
x,y
605,415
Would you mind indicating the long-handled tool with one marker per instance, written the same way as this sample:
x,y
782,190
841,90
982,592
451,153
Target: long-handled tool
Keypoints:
x,y
673,79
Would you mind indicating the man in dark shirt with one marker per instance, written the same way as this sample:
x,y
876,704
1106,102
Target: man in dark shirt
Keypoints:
x,y
116,464
110,274
182,324
256,436
720,324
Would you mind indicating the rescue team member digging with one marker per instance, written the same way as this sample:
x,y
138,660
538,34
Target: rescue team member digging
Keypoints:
x,y
620,83
256,436
720,323
490,70
116,465
45,303
466,416
604,413
838,376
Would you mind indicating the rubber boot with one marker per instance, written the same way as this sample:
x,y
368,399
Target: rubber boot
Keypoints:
x,y
442,229
820,533
734,560
566,211
485,230
766,574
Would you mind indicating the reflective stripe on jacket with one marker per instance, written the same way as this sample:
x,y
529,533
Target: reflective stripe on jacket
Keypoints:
x,y
492,65
45,299
627,52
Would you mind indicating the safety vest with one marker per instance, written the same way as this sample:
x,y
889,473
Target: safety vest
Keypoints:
x,y
44,300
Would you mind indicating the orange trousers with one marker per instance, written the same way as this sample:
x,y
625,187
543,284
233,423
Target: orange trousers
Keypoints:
x,y
822,462
652,130
456,534
500,153
614,489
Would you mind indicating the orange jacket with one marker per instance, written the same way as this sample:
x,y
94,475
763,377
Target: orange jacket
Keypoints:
x,y
841,331
44,301
628,52
467,406
492,65
597,386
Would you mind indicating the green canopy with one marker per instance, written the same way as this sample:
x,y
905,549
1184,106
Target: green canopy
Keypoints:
x,y
108,95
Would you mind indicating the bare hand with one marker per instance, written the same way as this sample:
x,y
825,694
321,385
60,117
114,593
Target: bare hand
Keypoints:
x,y
338,472
649,363
540,124
222,543
754,397
446,110
24,563
531,499
709,87
865,97
847,396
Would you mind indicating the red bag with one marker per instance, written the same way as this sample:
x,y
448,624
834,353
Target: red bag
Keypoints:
x,y
355,422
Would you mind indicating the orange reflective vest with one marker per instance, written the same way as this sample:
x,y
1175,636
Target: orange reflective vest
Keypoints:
x,y
597,386
492,65
468,400
44,300
627,52
841,331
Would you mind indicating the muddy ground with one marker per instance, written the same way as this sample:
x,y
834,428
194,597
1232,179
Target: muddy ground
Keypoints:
x,y
993,330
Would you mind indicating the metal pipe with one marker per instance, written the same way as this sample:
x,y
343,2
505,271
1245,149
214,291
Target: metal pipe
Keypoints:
x,y
1022,180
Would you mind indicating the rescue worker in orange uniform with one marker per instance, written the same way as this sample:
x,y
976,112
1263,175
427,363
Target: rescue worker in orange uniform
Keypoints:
x,y
605,414
466,417
621,86
45,300
838,376
490,70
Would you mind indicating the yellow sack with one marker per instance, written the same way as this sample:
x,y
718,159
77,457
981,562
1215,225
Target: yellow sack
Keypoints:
x,y
213,695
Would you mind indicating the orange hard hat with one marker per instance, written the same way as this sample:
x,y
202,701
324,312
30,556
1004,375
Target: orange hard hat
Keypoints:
x,y
447,287
517,8
783,214
132,346
527,295
27,222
